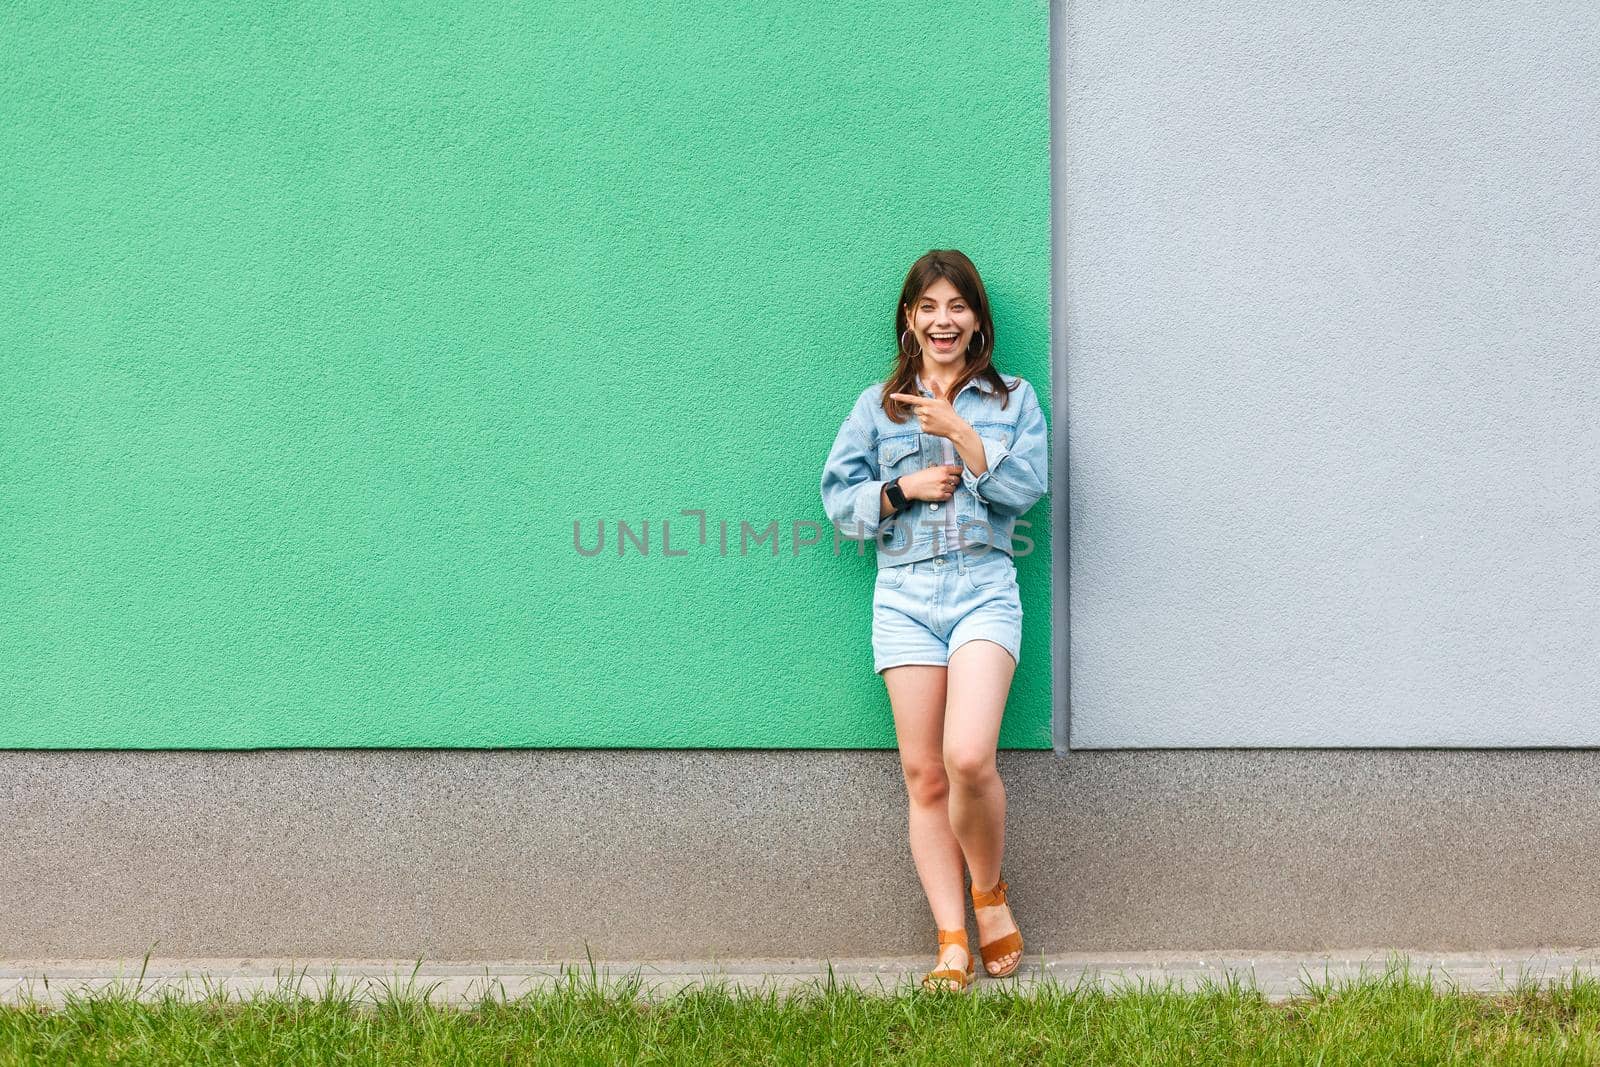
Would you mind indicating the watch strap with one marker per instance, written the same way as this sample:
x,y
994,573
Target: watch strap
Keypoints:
x,y
896,495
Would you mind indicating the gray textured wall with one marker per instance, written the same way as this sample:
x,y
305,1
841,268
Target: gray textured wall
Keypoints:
x,y
695,854
1328,279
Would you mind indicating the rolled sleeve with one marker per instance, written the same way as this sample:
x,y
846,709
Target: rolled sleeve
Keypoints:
x,y
993,453
851,488
1017,476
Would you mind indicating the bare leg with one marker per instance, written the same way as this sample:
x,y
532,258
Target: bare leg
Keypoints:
x,y
917,694
979,681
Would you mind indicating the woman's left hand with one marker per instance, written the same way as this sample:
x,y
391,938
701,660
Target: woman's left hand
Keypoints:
x,y
936,415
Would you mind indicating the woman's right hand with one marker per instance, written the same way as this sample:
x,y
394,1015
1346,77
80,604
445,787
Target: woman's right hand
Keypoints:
x,y
932,483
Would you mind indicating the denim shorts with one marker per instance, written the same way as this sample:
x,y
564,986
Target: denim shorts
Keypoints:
x,y
923,611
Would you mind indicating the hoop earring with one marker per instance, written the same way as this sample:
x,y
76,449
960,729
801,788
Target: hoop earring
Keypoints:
x,y
980,343
904,348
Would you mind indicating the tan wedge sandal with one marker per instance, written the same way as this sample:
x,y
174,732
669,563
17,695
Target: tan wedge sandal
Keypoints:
x,y
935,981
1000,946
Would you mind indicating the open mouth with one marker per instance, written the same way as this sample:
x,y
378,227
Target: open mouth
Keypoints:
x,y
944,342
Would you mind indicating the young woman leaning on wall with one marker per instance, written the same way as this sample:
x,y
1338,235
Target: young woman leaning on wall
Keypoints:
x,y
936,464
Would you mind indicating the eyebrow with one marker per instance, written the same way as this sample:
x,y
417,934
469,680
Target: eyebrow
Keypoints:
x,y
930,300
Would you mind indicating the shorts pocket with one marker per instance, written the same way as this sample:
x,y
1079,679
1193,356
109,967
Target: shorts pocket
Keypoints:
x,y
892,577
995,568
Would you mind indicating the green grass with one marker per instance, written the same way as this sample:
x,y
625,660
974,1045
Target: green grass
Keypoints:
x,y
1395,1017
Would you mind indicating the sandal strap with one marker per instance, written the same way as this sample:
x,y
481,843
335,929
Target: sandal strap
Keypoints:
x,y
962,977
953,937
1000,947
997,895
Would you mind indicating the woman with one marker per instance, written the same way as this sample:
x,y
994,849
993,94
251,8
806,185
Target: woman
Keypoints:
x,y
940,495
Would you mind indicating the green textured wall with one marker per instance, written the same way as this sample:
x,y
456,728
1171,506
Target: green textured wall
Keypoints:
x,y
321,328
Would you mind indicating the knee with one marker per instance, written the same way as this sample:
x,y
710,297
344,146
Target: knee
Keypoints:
x,y
969,767
926,783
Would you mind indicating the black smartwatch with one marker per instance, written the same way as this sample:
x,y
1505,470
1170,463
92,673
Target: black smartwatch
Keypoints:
x,y
896,495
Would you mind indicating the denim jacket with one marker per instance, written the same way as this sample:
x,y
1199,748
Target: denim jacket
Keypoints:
x,y
871,450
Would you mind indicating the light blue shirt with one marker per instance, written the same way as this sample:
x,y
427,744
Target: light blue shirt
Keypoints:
x,y
870,450
949,532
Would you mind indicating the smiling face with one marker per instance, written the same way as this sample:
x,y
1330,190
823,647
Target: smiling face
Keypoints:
x,y
943,323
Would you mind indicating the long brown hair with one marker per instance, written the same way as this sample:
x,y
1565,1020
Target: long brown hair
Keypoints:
x,y
958,270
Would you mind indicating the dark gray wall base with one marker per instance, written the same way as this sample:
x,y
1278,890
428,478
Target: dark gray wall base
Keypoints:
x,y
717,854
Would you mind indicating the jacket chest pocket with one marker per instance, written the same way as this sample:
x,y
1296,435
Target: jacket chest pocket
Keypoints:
x,y
899,455
998,432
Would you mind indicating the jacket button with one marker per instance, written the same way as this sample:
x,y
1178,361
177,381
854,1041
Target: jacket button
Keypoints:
x,y
934,507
